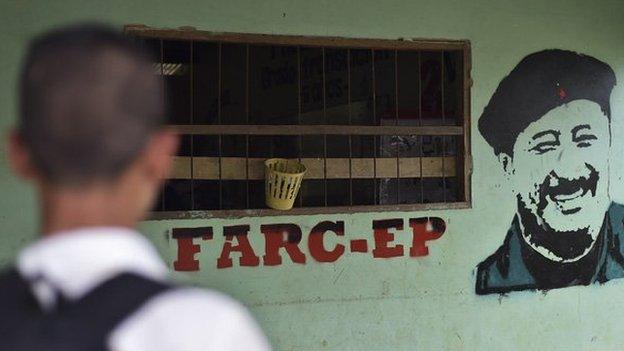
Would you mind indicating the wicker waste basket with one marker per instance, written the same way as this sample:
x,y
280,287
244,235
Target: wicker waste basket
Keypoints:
x,y
282,182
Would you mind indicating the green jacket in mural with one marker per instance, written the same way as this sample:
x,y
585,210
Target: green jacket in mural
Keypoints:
x,y
515,266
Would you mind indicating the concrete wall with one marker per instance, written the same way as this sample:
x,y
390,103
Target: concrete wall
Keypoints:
x,y
358,302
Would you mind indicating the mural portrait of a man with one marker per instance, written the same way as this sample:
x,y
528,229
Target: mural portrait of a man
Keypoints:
x,y
549,124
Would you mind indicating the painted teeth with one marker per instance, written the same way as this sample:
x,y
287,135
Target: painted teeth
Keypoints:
x,y
565,197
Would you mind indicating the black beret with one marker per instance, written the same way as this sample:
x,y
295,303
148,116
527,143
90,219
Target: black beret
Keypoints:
x,y
541,82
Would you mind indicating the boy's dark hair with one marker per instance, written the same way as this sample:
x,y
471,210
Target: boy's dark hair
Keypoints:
x,y
89,101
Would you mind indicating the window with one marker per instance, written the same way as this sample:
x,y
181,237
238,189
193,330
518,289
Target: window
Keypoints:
x,y
380,124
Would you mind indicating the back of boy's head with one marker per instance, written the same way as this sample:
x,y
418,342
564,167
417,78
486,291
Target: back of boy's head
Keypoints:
x,y
89,101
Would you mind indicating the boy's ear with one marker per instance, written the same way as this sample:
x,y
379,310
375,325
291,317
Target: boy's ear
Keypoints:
x,y
19,157
162,146
507,162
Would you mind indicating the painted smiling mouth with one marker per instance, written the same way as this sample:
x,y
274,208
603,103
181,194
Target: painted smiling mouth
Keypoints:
x,y
562,192
581,191
561,199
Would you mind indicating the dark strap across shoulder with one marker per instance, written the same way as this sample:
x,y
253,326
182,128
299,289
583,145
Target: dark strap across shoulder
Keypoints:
x,y
83,324
17,303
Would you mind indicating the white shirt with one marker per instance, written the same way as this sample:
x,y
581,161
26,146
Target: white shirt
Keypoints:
x,y
184,319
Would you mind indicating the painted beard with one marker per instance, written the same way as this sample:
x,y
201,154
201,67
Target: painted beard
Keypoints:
x,y
564,244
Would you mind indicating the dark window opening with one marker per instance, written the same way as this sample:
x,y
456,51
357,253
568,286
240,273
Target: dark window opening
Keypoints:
x,y
382,125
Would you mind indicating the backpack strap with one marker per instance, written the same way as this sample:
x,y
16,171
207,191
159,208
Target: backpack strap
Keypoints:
x,y
85,324
114,300
18,305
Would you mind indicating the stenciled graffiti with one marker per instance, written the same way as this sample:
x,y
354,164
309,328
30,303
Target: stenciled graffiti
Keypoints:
x,y
288,239
548,123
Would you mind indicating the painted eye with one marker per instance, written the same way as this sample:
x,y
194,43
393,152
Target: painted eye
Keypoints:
x,y
585,140
542,148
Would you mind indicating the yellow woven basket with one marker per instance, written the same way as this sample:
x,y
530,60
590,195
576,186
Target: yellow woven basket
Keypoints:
x,y
282,182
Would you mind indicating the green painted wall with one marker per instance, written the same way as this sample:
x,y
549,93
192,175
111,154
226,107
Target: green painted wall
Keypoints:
x,y
361,303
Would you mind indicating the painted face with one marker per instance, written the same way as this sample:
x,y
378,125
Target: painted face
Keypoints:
x,y
559,171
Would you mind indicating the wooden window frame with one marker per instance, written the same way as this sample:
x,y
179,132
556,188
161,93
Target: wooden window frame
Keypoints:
x,y
463,173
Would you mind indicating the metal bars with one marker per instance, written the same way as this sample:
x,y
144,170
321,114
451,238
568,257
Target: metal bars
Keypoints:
x,y
317,130
247,120
301,188
219,86
350,136
396,116
375,185
420,123
192,108
443,111
324,135
396,131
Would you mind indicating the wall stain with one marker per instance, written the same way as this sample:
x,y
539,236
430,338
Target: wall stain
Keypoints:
x,y
385,288
338,276
318,300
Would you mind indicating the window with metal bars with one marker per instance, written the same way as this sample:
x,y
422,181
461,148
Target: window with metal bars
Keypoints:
x,y
380,125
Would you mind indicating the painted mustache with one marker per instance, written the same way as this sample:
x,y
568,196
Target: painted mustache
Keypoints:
x,y
560,189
